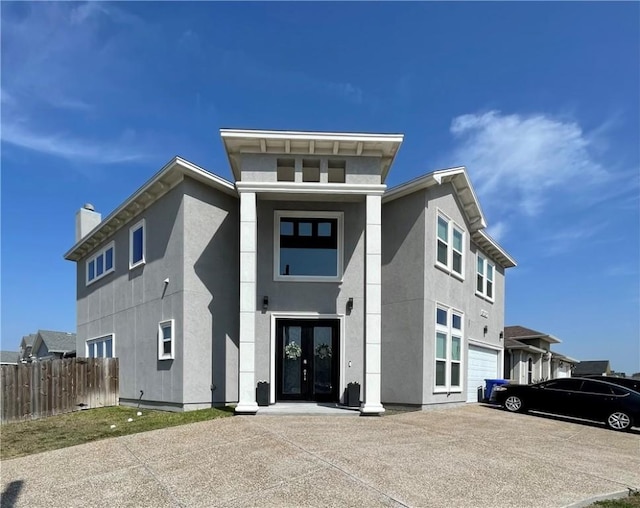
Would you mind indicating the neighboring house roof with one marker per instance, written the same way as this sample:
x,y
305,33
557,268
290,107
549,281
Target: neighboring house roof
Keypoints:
x,y
336,144
459,179
592,367
158,185
514,344
56,342
9,357
564,358
28,340
520,333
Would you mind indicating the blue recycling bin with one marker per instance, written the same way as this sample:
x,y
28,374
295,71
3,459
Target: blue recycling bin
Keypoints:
x,y
490,384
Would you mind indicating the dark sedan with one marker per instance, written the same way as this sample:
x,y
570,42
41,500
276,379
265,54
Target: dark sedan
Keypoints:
x,y
617,406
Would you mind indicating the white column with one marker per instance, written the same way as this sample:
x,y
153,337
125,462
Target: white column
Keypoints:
x,y
248,258
373,306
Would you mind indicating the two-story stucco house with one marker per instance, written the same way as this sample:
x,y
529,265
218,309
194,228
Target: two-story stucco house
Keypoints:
x,y
304,273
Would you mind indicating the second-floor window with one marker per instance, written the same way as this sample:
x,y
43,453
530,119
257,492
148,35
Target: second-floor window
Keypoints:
x,y
450,246
137,244
484,277
101,263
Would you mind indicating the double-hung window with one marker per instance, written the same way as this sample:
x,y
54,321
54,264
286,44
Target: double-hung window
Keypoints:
x,y
308,246
100,347
166,340
450,246
101,263
448,373
137,244
484,277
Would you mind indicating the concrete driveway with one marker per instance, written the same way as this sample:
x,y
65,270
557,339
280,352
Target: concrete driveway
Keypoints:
x,y
466,456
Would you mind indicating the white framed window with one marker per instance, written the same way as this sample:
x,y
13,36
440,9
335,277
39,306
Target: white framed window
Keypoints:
x,y
137,244
166,340
485,272
307,246
448,350
101,263
101,347
449,246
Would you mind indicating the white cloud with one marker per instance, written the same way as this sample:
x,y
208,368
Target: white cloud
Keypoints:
x,y
498,230
518,161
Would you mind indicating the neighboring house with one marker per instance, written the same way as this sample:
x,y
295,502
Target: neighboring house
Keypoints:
x,y
9,357
50,344
26,348
529,359
305,273
593,368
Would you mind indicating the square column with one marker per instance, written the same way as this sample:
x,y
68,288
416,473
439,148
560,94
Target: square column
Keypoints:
x,y
373,307
248,259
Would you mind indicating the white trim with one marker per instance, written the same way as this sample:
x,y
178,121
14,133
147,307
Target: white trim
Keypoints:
x,y
452,225
161,326
311,135
101,338
94,258
301,214
481,343
485,278
140,224
303,315
311,188
447,330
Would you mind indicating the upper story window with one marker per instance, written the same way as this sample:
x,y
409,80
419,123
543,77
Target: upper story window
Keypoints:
x,y
102,347
448,349
484,277
308,246
137,244
450,242
101,263
166,340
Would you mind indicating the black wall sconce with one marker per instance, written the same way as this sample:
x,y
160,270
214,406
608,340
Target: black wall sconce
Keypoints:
x,y
265,303
349,305
501,335
486,329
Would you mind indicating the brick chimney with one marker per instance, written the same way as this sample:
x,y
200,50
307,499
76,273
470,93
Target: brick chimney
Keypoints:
x,y
86,219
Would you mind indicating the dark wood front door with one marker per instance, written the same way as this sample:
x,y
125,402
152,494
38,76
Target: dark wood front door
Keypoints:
x,y
307,361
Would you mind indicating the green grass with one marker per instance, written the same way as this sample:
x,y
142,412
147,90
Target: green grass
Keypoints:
x,y
35,436
633,501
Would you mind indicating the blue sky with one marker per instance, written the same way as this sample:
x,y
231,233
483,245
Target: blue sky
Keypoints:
x,y
539,100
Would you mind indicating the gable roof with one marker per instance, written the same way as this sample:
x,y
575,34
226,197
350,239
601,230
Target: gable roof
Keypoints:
x,y
158,185
459,180
238,141
591,367
515,344
28,340
520,332
56,342
9,357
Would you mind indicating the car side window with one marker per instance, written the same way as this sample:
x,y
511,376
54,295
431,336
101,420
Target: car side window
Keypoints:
x,y
618,390
593,387
564,384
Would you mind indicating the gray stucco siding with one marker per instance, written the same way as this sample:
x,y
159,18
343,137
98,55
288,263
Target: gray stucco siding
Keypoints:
x,y
329,298
131,303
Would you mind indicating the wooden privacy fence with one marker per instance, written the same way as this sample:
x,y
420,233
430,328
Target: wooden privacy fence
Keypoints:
x,y
51,387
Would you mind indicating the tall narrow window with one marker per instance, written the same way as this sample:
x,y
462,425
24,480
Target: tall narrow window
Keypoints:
x,y
484,277
137,245
448,349
450,246
166,341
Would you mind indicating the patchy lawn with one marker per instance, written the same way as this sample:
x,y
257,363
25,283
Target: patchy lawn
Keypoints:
x,y
35,436
633,501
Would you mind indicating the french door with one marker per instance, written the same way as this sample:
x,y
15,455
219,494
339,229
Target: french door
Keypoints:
x,y
307,359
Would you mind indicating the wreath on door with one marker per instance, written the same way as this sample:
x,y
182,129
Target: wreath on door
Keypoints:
x,y
323,351
292,351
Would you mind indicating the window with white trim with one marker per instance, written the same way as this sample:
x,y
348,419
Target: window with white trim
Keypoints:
x,y
307,246
101,263
166,340
101,347
484,277
137,244
450,246
448,371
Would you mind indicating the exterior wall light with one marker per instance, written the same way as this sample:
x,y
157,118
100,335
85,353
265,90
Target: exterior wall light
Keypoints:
x,y
486,329
265,303
349,305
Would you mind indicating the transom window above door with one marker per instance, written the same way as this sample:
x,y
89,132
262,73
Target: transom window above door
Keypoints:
x,y
308,246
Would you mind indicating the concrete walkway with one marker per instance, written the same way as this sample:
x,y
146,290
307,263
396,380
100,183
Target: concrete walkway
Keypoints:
x,y
473,456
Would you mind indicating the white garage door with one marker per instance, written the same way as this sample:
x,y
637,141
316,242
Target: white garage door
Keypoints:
x,y
483,364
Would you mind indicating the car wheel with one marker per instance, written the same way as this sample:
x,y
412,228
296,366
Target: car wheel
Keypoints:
x,y
619,421
513,404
